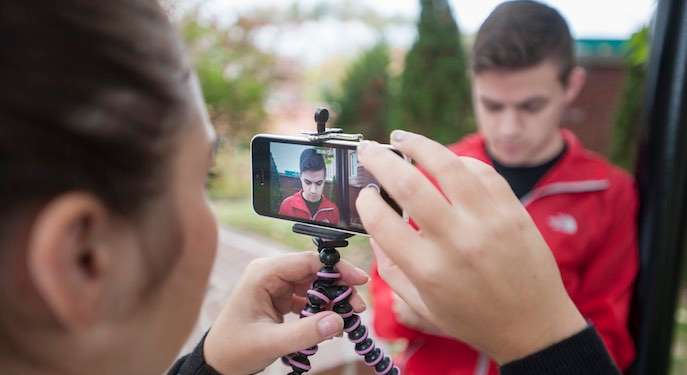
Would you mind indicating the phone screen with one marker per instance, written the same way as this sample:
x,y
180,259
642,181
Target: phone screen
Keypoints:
x,y
296,180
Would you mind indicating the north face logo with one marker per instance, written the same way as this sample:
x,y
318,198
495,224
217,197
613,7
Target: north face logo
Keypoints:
x,y
563,223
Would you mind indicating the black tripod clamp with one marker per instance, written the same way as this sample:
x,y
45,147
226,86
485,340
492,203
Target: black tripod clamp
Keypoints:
x,y
327,292
325,134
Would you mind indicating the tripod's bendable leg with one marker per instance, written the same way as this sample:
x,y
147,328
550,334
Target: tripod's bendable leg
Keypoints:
x,y
326,293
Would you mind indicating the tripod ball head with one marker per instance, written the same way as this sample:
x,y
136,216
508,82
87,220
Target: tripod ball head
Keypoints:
x,y
321,118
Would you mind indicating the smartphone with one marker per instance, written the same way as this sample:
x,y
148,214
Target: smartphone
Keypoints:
x,y
314,183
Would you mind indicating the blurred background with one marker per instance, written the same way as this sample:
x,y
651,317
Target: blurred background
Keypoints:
x,y
266,65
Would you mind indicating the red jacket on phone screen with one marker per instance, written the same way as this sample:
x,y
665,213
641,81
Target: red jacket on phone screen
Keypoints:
x,y
295,206
585,209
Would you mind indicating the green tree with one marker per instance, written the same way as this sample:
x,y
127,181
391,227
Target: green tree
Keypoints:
x,y
363,104
235,76
234,73
625,131
435,97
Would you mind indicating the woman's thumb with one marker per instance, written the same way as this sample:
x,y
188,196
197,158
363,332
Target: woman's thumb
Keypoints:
x,y
307,332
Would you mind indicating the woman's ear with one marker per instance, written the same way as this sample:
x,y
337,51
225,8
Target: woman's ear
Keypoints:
x,y
68,258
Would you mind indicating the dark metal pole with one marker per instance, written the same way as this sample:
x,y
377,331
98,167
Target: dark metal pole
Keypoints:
x,y
662,177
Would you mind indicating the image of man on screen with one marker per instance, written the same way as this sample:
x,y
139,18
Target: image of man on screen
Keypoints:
x,y
309,202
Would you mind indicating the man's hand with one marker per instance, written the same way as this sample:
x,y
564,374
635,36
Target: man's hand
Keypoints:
x,y
478,267
408,317
249,333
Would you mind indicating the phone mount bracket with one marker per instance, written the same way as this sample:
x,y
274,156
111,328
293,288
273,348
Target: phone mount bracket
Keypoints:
x,y
323,134
327,291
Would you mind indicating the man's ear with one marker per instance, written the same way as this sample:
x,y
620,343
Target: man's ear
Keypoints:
x,y
68,258
576,81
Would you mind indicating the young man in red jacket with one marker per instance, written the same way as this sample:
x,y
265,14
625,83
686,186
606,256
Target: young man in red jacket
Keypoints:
x,y
309,202
524,76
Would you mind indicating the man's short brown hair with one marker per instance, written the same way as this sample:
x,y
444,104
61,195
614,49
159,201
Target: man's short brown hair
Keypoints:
x,y
520,34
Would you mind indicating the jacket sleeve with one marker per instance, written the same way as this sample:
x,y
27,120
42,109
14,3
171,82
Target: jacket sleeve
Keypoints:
x,y
193,363
608,275
582,353
384,321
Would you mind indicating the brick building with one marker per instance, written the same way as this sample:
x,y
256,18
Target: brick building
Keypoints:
x,y
593,114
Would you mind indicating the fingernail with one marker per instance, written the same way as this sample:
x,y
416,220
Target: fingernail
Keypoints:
x,y
362,274
398,135
329,325
361,306
374,187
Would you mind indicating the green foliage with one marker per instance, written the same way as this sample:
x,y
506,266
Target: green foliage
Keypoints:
x,y
235,75
363,104
626,128
239,214
230,177
435,97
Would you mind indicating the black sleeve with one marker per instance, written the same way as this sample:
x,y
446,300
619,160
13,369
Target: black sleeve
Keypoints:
x,y
193,364
582,353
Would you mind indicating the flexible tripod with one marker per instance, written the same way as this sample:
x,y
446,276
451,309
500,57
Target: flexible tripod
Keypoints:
x,y
327,291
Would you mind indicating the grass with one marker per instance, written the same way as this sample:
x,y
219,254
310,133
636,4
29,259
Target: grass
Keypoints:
x,y
239,214
679,350
679,361
230,175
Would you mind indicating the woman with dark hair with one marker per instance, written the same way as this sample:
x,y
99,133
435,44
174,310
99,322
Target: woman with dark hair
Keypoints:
x,y
107,238
106,234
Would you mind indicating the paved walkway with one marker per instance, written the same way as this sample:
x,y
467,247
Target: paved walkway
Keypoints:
x,y
236,250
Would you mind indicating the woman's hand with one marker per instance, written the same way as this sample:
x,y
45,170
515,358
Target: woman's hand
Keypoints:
x,y
249,333
478,267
